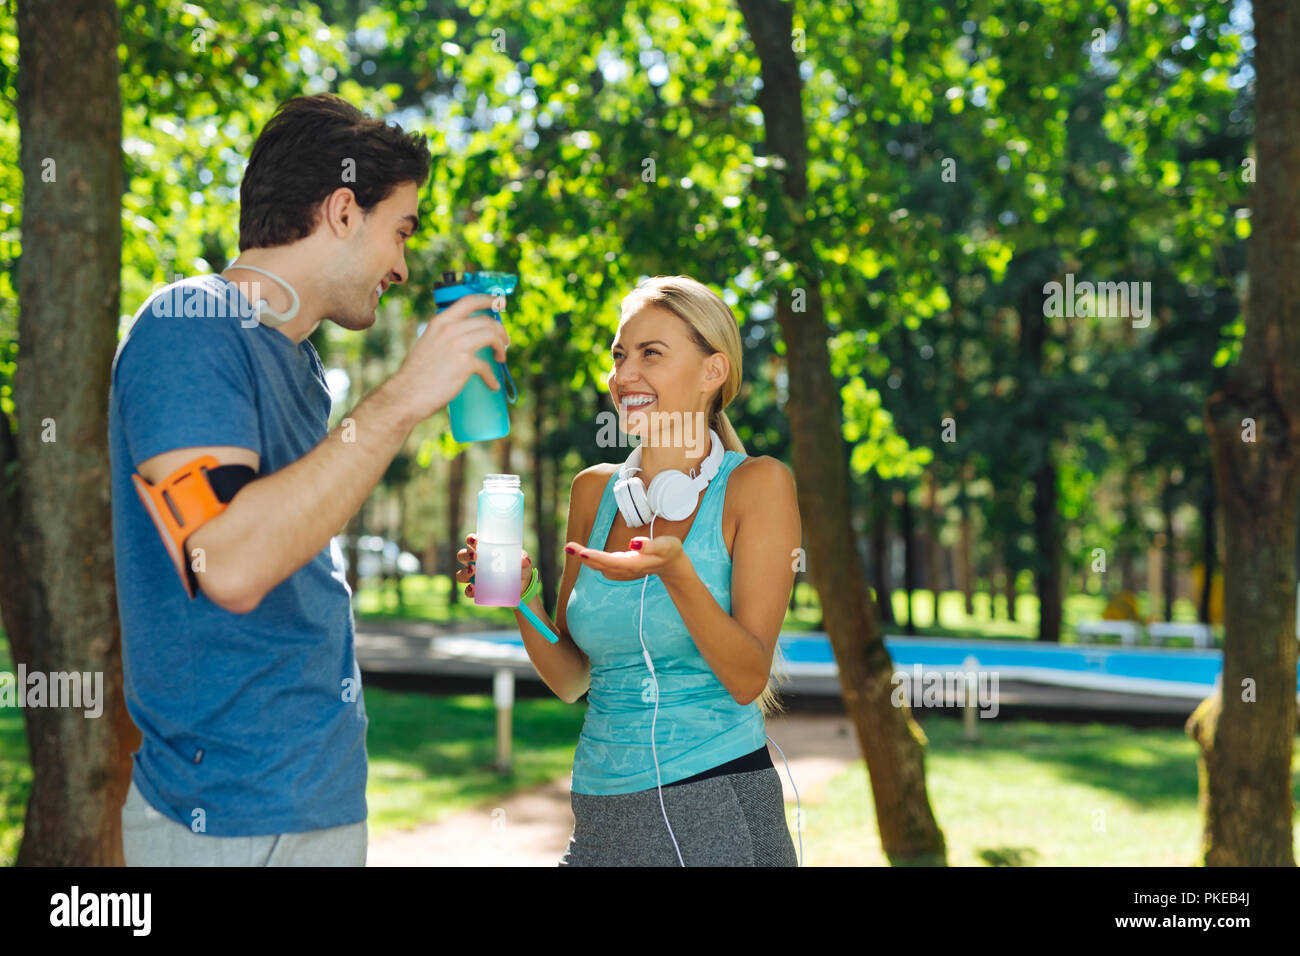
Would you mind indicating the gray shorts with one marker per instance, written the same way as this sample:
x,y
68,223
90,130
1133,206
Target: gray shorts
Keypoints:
x,y
151,839
734,819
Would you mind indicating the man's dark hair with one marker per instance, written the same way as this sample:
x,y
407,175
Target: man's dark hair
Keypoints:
x,y
301,156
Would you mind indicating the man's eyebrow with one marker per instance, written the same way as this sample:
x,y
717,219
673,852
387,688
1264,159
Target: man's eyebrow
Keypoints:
x,y
642,345
415,223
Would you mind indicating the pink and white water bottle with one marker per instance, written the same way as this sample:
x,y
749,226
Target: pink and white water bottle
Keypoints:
x,y
500,542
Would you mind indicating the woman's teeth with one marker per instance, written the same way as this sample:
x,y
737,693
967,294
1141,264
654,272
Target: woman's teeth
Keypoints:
x,y
638,401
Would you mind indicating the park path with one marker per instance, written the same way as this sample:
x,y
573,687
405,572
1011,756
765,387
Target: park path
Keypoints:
x,y
531,827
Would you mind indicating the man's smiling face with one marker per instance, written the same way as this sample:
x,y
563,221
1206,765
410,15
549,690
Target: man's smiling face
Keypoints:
x,y
373,258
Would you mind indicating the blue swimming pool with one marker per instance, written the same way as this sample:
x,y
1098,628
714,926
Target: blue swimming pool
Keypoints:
x,y
1169,672
1190,666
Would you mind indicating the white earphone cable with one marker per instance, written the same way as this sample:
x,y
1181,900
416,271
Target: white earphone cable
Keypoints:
x,y
798,811
659,780
645,653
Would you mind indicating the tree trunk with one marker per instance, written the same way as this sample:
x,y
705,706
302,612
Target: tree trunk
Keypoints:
x,y
986,572
890,740
455,500
1127,562
934,569
1048,535
357,523
1209,555
70,116
909,557
1047,531
557,483
880,557
505,447
544,517
356,528
398,575
1167,572
965,547
1246,729
1009,589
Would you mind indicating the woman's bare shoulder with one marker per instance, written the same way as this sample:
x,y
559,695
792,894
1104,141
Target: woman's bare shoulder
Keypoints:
x,y
597,473
754,487
589,484
762,467
761,479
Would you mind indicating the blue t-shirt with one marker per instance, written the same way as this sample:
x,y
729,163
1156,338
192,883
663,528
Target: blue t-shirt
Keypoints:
x,y
252,723
699,724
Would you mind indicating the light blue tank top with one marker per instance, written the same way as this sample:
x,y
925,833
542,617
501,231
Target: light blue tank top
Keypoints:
x,y
699,725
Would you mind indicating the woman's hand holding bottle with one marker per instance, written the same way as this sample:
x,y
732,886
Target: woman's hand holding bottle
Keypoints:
x,y
468,555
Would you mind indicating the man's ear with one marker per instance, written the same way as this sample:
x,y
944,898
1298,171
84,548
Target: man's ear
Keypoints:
x,y
340,212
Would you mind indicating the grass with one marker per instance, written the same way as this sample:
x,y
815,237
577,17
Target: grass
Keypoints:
x,y
1028,793
424,598
432,756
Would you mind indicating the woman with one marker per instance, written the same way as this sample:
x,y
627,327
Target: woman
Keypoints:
x,y
670,627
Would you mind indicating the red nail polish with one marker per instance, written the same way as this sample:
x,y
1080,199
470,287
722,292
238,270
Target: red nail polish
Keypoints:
x,y
636,545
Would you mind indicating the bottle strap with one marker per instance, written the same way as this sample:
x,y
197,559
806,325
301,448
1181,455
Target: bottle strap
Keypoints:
x,y
507,383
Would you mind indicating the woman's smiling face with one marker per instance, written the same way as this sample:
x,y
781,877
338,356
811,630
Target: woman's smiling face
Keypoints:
x,y
658,368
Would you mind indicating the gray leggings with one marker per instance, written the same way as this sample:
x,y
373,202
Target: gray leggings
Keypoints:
x,y
735,819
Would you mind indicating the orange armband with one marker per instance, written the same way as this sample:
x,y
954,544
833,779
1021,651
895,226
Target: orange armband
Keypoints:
x,y
187,499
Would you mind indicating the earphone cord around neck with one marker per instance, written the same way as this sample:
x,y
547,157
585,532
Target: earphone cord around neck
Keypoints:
x,y
658,776
263,306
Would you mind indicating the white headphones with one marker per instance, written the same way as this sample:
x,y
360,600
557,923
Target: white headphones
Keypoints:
x,y
673,494
262,307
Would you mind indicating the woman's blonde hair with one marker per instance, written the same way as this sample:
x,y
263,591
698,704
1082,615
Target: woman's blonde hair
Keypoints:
x,y
713,328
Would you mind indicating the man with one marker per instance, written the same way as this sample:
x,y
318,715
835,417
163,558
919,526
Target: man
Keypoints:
x,y
237,629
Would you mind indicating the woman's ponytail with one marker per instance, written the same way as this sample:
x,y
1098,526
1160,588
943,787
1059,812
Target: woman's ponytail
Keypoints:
x,y
721,424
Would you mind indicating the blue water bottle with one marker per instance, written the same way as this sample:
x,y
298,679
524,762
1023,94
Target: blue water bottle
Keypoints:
x,y
478,413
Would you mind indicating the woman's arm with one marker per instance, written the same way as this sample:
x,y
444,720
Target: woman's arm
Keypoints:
x,y
562,665
738,647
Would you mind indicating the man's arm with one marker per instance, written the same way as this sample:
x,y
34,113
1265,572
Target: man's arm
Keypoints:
x,y
276,524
